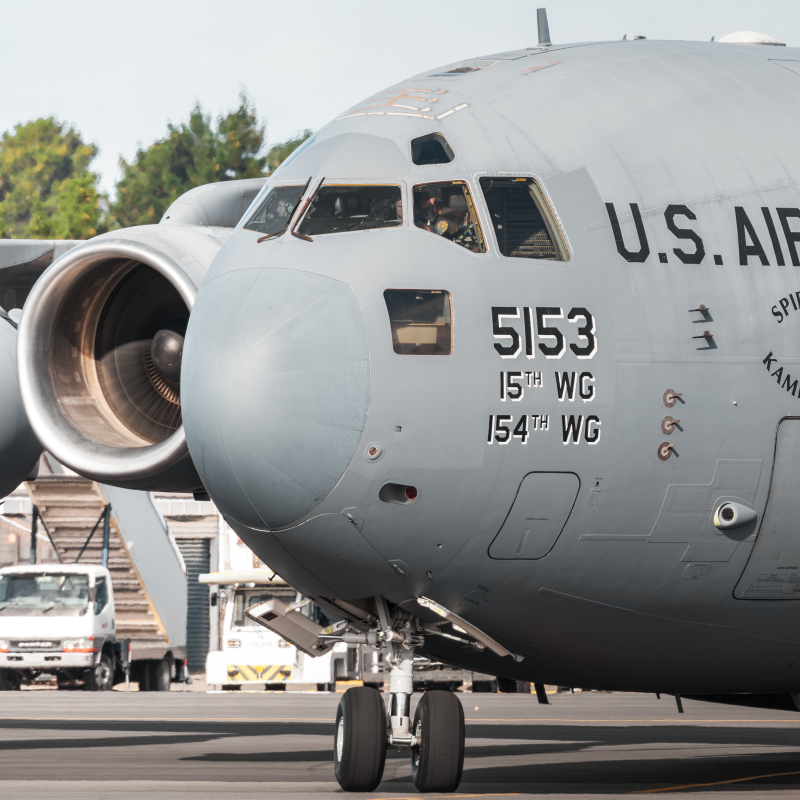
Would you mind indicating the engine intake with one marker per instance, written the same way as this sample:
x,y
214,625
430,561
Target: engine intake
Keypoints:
x,y
99,350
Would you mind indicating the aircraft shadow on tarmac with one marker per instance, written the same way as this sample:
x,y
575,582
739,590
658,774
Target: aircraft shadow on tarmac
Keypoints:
x,y
214,728
275,757
601,776
561,755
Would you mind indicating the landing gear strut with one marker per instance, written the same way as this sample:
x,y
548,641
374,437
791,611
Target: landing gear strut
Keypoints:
x,y
435,739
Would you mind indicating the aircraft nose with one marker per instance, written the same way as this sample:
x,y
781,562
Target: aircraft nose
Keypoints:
x,y
275,390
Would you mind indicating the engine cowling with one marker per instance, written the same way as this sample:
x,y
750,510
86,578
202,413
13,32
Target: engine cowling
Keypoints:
x,y
99,351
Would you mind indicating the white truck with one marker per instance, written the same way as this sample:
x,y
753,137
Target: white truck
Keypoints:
x,y
251,655
115,604
59,620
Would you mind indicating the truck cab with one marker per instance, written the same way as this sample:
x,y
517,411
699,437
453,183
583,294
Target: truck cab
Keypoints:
x,y
57,620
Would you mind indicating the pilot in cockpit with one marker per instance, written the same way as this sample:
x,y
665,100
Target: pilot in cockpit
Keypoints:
x,y
442,209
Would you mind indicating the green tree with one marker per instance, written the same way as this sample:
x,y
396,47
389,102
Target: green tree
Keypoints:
x,y
278,153
192,153
46,188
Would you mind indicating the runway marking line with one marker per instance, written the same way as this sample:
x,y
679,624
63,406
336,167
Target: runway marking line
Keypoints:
x,y
714,783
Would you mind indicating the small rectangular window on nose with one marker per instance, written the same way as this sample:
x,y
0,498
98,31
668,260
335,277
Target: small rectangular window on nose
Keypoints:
x,y
421,321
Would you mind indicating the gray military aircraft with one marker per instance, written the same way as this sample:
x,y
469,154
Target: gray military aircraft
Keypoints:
x,y
501,367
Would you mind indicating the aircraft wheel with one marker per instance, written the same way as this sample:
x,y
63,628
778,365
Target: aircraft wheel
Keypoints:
x,y
9,680
437,762
359,745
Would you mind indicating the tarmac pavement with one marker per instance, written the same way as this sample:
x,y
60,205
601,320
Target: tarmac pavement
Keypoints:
x,y
56,744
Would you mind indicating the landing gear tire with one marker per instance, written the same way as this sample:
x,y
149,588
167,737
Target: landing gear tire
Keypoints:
x,y
437,762
359,745
100,677
9,681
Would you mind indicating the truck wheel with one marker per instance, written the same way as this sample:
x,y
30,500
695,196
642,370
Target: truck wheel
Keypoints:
x,y
158,676
100,677
437,760
359,745
9,681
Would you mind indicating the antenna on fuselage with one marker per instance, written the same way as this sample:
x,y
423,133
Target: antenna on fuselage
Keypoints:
x,y
544,28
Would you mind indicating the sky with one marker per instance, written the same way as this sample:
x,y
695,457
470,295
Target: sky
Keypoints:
x,y
120,71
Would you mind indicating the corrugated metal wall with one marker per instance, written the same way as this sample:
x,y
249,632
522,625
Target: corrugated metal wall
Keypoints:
x,y
197,555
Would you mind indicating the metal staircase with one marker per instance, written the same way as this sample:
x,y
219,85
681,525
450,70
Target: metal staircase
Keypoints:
x,y
70,507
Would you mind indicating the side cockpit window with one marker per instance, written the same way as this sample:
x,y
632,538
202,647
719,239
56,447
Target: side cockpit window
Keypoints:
x,y
337,209
421,321
272,217
522,220
446,209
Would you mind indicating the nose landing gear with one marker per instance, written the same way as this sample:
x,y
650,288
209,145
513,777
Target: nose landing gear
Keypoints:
x,y
363,734
435,740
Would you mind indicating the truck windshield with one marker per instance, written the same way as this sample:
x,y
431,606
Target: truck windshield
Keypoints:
x,y
43,590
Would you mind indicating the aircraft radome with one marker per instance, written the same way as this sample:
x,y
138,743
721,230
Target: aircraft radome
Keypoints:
x,y
502,367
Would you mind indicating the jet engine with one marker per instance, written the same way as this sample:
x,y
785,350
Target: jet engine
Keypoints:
x,y
101,342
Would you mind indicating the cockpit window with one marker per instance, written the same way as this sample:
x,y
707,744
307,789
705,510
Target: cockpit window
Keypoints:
x,y
446,209
431,149
275,212
421,321
336,209
522,220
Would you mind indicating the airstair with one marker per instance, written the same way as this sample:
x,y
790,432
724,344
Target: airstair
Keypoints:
x,y
147,570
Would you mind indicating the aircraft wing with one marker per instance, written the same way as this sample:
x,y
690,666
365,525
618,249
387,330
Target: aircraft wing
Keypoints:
x,y
22,261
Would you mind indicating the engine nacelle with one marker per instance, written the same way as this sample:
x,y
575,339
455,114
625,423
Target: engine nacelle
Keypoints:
x,y
99,351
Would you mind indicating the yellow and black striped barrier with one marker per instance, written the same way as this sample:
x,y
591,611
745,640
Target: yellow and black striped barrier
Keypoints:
x,y
259,673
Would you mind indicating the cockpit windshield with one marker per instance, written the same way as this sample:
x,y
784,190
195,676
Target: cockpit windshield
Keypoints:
x,y
276,210
43,590
446,209
336,209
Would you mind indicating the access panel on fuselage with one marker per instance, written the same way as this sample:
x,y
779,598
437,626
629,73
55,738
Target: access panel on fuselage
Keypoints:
x,y
773,571
540,511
